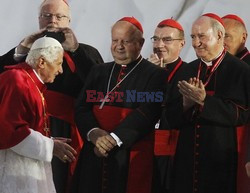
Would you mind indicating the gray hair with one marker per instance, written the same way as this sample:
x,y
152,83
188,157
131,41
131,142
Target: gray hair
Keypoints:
x,y
217,26
50,54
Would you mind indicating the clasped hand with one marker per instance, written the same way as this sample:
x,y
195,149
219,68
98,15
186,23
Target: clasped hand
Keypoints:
x,y
103,142
193,92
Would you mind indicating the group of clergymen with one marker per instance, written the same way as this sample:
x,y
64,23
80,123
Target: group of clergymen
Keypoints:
x,y
71,123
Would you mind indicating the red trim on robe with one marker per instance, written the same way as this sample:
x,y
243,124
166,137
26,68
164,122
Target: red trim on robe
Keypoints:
x,y
70,62
141,154
243,183
166,140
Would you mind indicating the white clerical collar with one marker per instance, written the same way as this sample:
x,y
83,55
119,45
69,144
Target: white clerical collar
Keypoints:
x,y
172,61
210,63
38,76
125,65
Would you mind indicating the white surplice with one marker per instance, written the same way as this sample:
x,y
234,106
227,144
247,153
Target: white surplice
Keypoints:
x,y
26,167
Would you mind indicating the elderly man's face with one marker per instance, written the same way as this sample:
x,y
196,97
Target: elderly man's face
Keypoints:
x,y
234,36
54,14
126,46
51,70
167,43
205,40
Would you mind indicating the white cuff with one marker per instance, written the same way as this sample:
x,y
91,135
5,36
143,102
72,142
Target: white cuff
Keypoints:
x,y
117,139
36,146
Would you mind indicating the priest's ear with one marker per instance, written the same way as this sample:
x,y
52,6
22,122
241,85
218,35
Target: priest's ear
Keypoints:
x,y
41,62
141,41
244,37
220,35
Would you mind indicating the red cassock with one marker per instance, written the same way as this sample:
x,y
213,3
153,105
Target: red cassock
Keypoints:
x,y
21,105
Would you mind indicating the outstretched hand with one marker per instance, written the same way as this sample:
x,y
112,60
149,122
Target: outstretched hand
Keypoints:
x,y
63,150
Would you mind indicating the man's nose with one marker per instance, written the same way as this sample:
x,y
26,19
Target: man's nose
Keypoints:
x,y
53,19
61,70
196,42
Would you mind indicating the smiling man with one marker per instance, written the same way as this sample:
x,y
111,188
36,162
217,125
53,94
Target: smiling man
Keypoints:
x,y
215,101
117,156
168,41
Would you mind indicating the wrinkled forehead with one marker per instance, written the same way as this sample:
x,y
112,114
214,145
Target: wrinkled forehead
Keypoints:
x,y
123,28
55,6
166,31
202,25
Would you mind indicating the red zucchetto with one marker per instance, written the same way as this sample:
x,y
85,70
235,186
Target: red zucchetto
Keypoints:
x,y
133,21
171,23
234,17
214,16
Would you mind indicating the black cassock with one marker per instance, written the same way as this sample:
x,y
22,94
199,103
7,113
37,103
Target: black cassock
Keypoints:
x,y
244,55
60,96
132,119
206,155
165,136
243,135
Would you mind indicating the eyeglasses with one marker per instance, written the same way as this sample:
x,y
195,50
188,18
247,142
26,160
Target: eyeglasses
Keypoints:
x,y
165,40
48,16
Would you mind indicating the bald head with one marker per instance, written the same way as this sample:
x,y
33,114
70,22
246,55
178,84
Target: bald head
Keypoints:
x,y
235,36
127,42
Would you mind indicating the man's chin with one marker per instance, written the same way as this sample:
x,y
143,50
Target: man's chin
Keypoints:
x,y
50,81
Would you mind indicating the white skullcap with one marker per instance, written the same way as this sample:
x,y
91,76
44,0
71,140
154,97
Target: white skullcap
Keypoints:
x,y
45,42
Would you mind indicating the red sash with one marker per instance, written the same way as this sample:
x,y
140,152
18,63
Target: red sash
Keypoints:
x,y
165,142
62,107
141,154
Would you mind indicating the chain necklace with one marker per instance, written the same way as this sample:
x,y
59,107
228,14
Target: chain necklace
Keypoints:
x,y
110,76
214,67
46,128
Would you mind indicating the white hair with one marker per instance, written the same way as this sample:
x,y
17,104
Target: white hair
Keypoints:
x,y
50,54
217,26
